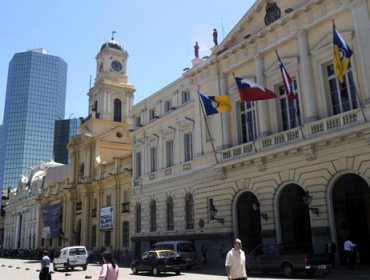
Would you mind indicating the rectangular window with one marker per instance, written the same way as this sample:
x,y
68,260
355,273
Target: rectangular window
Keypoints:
x,y
138,165
109,202
107,238
167,106
169,153
138,219
138,121
290,113
151,114
153,159
188,146
185,96
93,236
248,121
342,95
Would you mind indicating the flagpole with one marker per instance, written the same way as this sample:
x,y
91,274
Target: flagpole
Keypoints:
x,y
209,133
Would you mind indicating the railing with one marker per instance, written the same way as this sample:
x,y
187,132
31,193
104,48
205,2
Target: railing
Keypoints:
x,y
309,130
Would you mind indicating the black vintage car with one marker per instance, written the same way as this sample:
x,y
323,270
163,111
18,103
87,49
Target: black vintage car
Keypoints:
x,y
157,261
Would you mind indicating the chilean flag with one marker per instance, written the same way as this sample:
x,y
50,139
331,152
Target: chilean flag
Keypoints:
x,y
250,91
287,81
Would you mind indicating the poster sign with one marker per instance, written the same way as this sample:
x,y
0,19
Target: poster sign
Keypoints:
x,y
106,218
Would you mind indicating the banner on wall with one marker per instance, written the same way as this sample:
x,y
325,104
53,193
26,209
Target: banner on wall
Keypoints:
x,y
106,218
51,220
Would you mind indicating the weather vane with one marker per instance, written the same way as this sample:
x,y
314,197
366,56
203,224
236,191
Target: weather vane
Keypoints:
x,y
113,32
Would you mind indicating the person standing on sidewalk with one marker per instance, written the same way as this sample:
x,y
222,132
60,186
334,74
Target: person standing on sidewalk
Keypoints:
x,y
45,265
349,251
235,263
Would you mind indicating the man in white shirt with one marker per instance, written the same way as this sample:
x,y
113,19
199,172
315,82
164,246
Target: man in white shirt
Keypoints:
x,y
349,248
235,262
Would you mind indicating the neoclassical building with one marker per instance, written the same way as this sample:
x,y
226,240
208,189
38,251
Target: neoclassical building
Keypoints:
x,y
295,172
90,205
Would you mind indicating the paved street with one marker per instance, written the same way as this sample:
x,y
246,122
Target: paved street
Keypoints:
x,y
16,269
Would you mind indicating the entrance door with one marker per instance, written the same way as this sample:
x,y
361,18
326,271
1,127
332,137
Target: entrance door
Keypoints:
x,y
249,221
351,204
295,219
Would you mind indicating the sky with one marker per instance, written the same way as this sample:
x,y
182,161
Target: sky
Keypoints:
x,y
158,35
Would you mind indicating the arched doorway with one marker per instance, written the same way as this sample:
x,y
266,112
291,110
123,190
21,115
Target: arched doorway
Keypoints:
x,y
249,221
295,219
351,205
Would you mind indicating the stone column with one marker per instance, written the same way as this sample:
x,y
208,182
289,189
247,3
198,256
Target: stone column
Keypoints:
x,y
361,22
262,105
86,217
308,94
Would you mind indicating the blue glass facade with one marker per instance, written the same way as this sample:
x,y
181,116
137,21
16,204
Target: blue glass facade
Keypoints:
x,y
35,98
64,130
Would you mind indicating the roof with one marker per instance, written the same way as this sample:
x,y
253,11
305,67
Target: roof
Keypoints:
x,y
112,44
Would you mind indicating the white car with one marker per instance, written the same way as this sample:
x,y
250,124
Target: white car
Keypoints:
x,y
71,257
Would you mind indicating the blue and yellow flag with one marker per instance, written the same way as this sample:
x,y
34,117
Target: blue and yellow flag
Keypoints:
x,y
215,104
342,54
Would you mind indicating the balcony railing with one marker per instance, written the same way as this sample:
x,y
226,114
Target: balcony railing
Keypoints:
x,y
309,130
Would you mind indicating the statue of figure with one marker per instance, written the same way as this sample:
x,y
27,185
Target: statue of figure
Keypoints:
x,y
196,50
215,34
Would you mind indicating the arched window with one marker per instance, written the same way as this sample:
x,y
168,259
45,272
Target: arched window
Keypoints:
x,y
170,225
153,216
189,211
117,110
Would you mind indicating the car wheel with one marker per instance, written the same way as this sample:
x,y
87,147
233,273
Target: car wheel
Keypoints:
x,y
288,270
84,267
177,272
155,271
134,270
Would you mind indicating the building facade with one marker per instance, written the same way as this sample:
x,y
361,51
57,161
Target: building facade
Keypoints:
x,y
35,98
295,172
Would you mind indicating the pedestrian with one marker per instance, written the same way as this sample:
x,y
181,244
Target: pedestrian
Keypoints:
x,y
204,255
196,50
109,269
349,251
235,263
45,265
215,35
331,248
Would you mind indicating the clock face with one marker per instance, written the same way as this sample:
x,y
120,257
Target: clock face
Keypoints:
x,y
116,66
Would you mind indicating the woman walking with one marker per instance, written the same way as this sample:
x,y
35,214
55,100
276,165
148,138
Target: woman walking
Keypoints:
x,y
109,270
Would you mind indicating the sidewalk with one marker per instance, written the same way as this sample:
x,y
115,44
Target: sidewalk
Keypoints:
x,y
342,272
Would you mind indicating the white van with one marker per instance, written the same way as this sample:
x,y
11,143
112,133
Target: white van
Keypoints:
x,y
70,257
184,248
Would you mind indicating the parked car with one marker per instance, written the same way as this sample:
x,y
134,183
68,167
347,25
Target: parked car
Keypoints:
x,y
157,261
184,248
278,258
71,257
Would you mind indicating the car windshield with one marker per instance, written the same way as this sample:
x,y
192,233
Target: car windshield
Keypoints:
x,y
168,254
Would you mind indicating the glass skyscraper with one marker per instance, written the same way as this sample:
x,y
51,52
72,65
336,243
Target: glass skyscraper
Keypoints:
x,y
35,98
64,130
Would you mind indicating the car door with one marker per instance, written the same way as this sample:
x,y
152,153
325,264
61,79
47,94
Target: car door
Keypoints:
x,y
144,262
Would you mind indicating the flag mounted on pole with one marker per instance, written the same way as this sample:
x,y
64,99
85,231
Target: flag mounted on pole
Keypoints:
x,y
250,91
287,81
341,56
215,104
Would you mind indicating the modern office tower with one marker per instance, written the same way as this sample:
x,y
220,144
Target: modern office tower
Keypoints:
x,y
35,98
64,130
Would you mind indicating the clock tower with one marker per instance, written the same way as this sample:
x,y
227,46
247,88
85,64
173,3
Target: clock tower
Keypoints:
x,y
111,97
